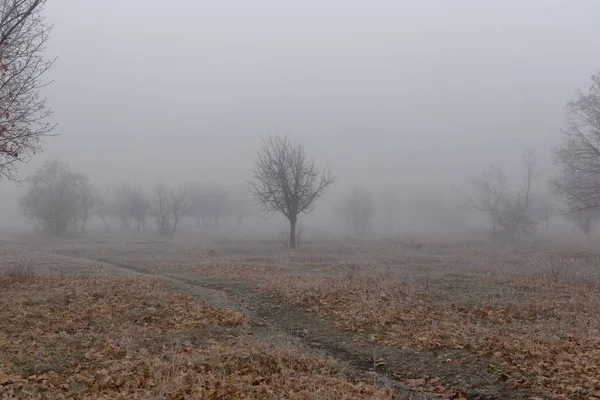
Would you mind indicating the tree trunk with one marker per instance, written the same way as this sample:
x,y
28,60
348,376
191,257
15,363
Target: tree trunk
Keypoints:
x,y
586,227
293,233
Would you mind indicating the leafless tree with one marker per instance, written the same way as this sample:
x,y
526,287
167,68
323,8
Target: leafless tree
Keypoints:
x,y
169,207
139,207
584,219
53,198
88,199
161,209
285,181
300,231
102,210
180,205
512,210
209,203
578,156
546,208
487,193
120,203
356,211
24,114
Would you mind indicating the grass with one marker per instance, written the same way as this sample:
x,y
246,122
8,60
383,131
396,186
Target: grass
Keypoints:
x,y
65,337
439,317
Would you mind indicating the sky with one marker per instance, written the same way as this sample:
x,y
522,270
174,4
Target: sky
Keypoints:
x,y
387,93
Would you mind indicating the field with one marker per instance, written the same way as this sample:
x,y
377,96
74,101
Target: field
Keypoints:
x,y
202,317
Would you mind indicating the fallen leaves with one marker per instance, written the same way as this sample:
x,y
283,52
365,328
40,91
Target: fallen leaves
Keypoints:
x,y
133,338
549,345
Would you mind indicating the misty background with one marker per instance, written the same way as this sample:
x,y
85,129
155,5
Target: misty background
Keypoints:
x,y
401,95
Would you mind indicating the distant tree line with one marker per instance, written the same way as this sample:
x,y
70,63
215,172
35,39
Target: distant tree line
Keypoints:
x,y
59,200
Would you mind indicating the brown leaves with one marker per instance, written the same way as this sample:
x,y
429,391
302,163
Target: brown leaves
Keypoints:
x,y
131,338
550,345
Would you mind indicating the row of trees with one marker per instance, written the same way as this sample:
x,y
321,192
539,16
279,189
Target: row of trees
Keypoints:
x,y
517,209
58,200
284,179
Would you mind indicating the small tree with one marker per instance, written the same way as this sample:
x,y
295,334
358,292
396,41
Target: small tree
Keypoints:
x,y
55,196
578,157
169,207
23,112
161,209
88,199
139,207
356,211
285,181
120,203
487,194
180,205
102,210
512,210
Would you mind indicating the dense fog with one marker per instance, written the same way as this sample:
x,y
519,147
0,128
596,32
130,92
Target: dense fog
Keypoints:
x,y
405,101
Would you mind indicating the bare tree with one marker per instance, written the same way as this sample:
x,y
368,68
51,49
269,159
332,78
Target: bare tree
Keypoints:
x,y
102,210
487,193
88,199
180,205
169,207
120,204
209,203
545,208
584,219
161,209
285,181
139,207
512,210
53,198
356,211
578,157
24,113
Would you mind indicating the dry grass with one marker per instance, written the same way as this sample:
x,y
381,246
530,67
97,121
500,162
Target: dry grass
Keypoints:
x,y
534,333
527,313
75,337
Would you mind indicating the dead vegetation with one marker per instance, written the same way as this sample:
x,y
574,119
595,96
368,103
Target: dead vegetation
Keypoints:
x,y
532,333
66,337
526,317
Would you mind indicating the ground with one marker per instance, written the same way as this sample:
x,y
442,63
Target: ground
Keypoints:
x,y
202,317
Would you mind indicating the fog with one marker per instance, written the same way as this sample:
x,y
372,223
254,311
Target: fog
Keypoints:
x,y
389,94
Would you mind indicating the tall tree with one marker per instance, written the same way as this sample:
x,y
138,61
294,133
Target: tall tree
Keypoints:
x,y
285,181
24,114
55,197
578,156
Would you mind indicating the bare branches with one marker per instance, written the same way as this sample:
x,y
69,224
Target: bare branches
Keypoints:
x,y
510,210
578,156
169,207
285,181
23,113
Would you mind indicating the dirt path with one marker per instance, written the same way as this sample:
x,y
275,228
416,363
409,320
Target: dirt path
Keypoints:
x,y
392,366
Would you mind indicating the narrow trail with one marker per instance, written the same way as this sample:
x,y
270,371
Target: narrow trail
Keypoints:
x,y
368,361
